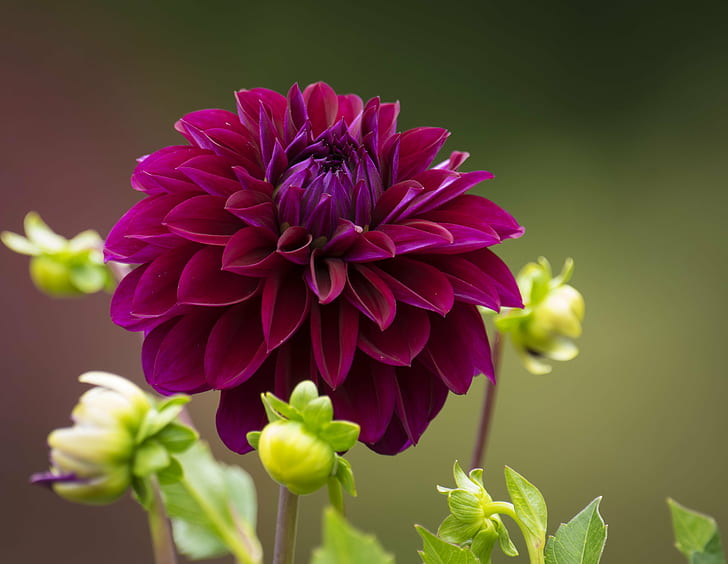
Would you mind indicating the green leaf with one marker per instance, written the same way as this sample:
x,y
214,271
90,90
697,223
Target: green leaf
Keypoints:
x,y
302,394
150,457
172,473
87,277
696,535
504,539
345,475
454,530
345,545
253,438
318,412
529,506
177,437
581,540
156,419
279,409
18,243
341,435
212,508
142,490
437,551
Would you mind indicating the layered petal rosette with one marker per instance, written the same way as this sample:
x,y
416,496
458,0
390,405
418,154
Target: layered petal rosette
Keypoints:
x,y
305,238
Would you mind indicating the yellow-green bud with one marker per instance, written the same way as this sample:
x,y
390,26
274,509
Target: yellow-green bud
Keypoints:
x,y
58,266
119,435
295,457
551,317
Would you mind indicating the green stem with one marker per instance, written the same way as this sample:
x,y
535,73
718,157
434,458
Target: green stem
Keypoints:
x,y
162,542
336,495
486,414
285,541
535,545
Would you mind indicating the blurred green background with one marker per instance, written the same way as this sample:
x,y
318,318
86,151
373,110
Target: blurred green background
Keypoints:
x,y
605,124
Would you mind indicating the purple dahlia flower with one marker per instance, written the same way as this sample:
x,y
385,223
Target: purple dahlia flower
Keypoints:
x,y
304,238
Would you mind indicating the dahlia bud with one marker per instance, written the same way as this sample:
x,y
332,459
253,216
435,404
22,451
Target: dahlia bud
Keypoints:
x,y
473,520
58,266
295,457
119,436
298,448
551,317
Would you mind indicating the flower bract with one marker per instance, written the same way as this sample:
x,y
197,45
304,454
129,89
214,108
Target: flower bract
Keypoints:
x,y
303,237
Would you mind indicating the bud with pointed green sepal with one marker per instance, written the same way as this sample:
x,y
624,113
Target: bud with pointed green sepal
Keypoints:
x,y
120,438
473,521
550,320
61,267
299,446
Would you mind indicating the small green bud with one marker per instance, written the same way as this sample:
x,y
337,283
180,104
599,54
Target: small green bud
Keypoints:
x,y
471,521
551,317
60,267
295,457
298,447
112,442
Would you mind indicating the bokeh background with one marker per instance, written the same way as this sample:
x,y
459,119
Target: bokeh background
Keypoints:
x,y
605,124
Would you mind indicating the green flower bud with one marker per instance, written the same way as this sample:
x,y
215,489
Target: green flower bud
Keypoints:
x,y
58,266
551,317
294,457
472,521
118,435
299,446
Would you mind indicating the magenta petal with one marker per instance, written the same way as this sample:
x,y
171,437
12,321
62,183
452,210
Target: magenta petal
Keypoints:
x,y
419,284
453,163
371,246
322,104
334,332
417,149
254,208
203,219
286,302
417,235
366,397
179,362
394,200
326,277
156,291
139,235
121,302
350,106
241,411
371,295
294,245
502,278
249,103
394,440
420,396
387,121
236,348
249,182
251,252
211,173
345,235
458,348
400,342
203,283
449,191
157,173
478,212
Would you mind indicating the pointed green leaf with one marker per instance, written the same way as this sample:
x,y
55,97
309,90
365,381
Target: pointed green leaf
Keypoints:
x,y
528,503
172,473
462,480
341,435
345,475
302,394
454,530
483,544
280,408
150,457
696,535
212,508
41,235
177,437
318,412
437,551
345,545
142,490
581,540
504,539
253,438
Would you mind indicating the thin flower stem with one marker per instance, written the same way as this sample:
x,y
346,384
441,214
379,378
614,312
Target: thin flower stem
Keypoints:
x,y
285,541
486,415
159,529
